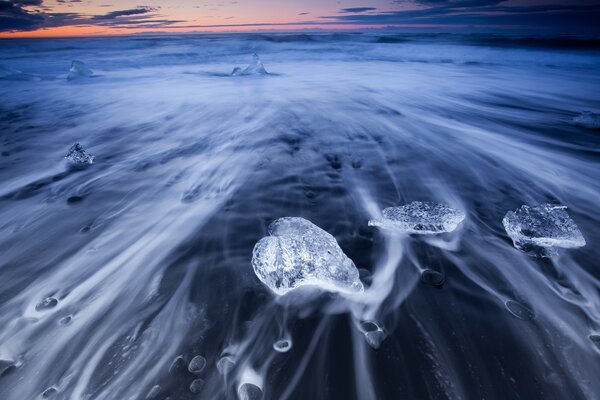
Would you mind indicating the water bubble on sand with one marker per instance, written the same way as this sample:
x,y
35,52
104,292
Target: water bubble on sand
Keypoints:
x,y
79,70
197,385
420,218
177,365
544,226
300,253
46,304
77,155
374,335
48,393
519,310
282,345
197,365
153,393
249,391
225,365
588,119
255,68
433,278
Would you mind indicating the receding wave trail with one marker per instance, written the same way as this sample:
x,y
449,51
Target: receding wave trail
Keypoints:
x,y
113,277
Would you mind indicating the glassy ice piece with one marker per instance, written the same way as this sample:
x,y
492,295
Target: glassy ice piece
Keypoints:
x,y
518,310
197,365
225,365
374,335
282,345
46,304
77,155
588,119
10,74
546,225
255,68
79,70
48,393
300,253
249,391
177,365
197,385
153,393
420,218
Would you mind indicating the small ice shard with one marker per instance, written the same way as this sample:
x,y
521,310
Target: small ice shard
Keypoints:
x,y
46,304
79,70
197,385
6,365
433,278
420,218
596,340
10,74
225,365
300,253
519,310
282,345
177,365
77,155
153,393
542,226
65,320
249,391
48,393
256,68
588,119
197,365
374,335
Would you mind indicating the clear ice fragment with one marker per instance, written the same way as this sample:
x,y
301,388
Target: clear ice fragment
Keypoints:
x,y
545,226
420,218
153,393
249,391
300,253
48,393
282,345
79,70
518,310
588,119
197,385
225,365
46,304
374,335
197,365
77,155
255,68
177,365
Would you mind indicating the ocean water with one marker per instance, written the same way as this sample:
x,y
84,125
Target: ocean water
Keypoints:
x,y
113,277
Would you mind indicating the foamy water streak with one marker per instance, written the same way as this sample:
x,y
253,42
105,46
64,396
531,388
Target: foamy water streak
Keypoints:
x,y
114,276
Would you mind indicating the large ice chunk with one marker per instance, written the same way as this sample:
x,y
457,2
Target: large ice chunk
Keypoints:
x,y
546,225
300,253
588,119
256,68
77,155
420,218
79,70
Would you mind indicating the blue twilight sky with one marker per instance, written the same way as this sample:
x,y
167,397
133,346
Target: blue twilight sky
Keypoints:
x,y
100,17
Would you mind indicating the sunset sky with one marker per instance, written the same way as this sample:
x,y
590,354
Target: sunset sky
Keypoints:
x,y
22,18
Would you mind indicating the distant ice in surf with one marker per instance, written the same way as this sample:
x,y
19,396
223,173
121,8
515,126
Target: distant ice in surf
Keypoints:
x,y
420,218
545,226
588,119
77,155
256,68
79,70
300,253
11,74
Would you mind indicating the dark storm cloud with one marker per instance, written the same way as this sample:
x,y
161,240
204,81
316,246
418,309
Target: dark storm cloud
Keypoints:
x,y
357,9
125,13
14,17
572,17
